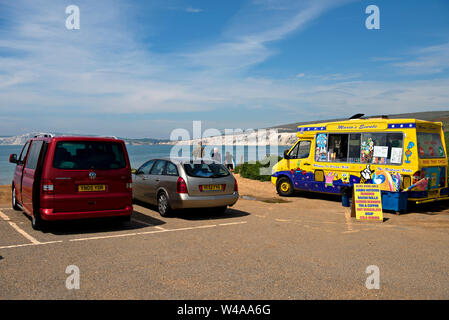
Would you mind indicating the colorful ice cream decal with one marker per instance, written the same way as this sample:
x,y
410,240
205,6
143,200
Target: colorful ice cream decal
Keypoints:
x,y
329,179
408,152
321,143
367,149
384,180
365,175
396,181
421,185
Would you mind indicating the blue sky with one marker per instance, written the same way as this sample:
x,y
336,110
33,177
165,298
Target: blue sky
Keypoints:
x,y
144,68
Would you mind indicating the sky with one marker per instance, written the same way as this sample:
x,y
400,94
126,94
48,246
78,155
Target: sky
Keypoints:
x,y
140,68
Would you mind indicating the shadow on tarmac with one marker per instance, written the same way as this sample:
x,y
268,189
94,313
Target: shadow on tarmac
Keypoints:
x,y
430,208
198,214
99,225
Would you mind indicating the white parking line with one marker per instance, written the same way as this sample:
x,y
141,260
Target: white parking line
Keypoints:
x,y
161,230
19,230
35,242
30,244
232,223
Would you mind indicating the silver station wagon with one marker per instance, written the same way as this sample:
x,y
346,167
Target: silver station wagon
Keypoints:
x,y
173,184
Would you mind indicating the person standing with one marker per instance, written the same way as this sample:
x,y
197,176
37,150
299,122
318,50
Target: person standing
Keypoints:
x,y
229,161
216,155
198,151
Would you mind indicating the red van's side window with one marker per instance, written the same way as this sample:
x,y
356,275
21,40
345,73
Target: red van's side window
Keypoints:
x,y
33,155
24,153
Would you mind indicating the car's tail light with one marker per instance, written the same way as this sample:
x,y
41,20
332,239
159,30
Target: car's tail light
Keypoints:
x,y
236,185
416,176
129,185
48,187
181,186
223,187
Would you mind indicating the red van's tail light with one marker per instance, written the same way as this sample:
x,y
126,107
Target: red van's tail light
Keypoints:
x,y
129,185
48,187
236,185
416,176
181,186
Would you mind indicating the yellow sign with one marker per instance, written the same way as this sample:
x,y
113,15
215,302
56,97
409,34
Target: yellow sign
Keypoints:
x,y
372,126
368,202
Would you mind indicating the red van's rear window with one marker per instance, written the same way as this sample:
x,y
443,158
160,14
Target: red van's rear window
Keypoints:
x,y
87,155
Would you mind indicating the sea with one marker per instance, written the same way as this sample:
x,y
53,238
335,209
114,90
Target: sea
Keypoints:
x,y
138,154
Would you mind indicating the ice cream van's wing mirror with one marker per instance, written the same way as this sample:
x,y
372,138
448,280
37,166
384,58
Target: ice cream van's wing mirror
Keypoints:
x,y
13,158
286,156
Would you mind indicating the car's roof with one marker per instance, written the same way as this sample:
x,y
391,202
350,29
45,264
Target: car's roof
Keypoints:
x,y
76,138
182,160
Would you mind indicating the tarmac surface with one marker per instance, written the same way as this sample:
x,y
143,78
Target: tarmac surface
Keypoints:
x,y
302,247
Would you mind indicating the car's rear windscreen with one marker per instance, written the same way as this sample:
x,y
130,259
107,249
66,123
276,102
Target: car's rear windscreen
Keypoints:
x,y
205,169
89,155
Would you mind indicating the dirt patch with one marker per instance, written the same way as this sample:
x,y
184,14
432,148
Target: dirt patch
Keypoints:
x,y
5,195
431,215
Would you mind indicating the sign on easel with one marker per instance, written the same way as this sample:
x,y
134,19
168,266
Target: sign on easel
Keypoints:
x,y
368,202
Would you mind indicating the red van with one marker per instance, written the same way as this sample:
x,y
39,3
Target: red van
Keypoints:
x,y
59,178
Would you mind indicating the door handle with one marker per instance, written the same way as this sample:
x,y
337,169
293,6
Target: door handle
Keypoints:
x,y
306,164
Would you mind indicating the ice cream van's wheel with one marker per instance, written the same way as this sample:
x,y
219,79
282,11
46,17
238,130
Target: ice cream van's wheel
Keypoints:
x,y
284,187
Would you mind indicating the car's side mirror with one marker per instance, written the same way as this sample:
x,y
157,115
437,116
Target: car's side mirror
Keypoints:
x,y
286,156
13,158
133,171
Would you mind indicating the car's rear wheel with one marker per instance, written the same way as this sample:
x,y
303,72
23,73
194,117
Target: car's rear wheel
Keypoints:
x,y
162,205
15,206
284,187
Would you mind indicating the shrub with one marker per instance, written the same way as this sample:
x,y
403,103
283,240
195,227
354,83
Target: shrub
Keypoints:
x,y
252,170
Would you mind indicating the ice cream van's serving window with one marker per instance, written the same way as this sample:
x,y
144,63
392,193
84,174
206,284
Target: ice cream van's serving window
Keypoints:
x,y
378,148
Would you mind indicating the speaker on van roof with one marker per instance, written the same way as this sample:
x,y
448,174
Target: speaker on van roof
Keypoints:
x,y
357,116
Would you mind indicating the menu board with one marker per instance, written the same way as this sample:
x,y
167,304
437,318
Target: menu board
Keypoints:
x,y
368,202
380,151
396,155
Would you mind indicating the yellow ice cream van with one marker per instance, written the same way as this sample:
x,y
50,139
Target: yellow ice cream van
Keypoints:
x,y
331,157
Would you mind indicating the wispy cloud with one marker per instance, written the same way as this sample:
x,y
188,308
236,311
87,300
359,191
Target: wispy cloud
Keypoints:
x,y
193,10
428,60
246,41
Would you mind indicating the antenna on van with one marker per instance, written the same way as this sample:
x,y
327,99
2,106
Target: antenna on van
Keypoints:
x,y
357,116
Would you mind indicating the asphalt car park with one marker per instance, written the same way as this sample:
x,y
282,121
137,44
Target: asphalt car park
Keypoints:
x,y
301,248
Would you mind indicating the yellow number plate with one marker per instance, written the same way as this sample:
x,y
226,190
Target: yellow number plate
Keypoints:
x,y
212,187
91,187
